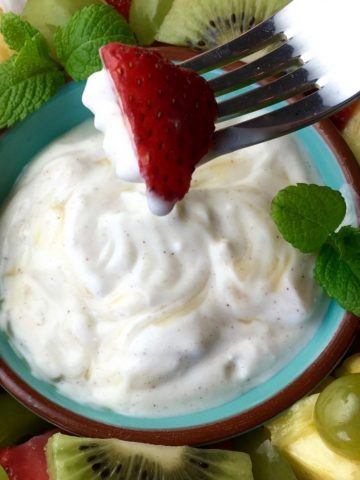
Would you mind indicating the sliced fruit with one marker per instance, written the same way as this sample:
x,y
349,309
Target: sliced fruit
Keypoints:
x,y
337,415
88,458
170,111
26,461
122,6
146,18
351,132
5,51
206,23
3,475
349,366
47,15
17,423
267,461
295,434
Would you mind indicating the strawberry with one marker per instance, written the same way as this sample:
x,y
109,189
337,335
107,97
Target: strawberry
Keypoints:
x,y
170,111
26,461
122,6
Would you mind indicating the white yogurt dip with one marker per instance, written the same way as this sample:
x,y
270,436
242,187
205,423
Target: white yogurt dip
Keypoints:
x,y
149,315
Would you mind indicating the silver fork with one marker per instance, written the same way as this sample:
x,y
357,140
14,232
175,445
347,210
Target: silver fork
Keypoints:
x,y
314,53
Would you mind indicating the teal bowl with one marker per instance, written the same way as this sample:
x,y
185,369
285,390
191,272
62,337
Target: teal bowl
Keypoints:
x,y
335,166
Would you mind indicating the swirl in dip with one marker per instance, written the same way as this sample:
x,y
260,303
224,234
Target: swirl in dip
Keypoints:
x,y
150,315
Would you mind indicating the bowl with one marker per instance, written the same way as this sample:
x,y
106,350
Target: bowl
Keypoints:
x,y
335,165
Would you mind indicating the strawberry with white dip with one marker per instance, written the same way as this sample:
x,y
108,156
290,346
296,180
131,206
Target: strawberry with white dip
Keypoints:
x,y
158,116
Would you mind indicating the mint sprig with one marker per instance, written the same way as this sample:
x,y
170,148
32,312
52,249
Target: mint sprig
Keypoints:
x,y
30,77
16,32
77,43
306,214
337,268
307,217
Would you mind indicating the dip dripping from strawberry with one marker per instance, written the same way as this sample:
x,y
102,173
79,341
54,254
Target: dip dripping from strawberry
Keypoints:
x,y
169,113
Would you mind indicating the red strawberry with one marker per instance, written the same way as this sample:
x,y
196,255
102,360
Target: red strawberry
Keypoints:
x,y
171,113
26,461
122,6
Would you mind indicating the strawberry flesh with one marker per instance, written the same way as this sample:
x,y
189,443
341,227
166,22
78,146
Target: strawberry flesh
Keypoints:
x,y
122,6
26,461
171,113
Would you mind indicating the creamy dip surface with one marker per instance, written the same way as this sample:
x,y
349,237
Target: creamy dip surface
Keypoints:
x,y
148,315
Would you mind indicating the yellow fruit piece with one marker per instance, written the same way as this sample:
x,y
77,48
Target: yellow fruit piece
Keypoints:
x,y
351,132
5,51
294,434
350,365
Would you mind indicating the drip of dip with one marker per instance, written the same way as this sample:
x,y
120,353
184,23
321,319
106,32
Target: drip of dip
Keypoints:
x,y
150,315
101,99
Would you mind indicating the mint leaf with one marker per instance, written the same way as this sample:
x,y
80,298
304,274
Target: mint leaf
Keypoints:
x,y
16,32
337,268
27,80
306,214
77,43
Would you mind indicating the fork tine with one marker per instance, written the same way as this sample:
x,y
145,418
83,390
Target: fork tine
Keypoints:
x,y
297,115
299,81
254,39
274,62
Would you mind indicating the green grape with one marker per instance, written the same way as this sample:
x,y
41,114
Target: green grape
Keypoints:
x,y
146,18
47,15
337,415
17,423
3,475
267,461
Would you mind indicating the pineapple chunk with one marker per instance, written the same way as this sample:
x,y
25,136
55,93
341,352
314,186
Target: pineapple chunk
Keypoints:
x,y
351,132
294,434
5,51
349,366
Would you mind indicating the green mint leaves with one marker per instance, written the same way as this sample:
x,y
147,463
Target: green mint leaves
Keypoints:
x,y
77,43
338,268
307,217
16,32
306,214
30,77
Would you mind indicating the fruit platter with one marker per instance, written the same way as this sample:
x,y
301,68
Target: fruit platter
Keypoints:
x,y
165,312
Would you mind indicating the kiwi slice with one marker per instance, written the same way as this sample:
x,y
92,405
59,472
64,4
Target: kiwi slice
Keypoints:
x,y
71,458
3,475
207,23
17,423
146,17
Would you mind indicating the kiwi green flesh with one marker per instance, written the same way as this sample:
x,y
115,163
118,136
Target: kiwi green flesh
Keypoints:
x,y
17,423
3,475
71,458
47,15
146,17
205,24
